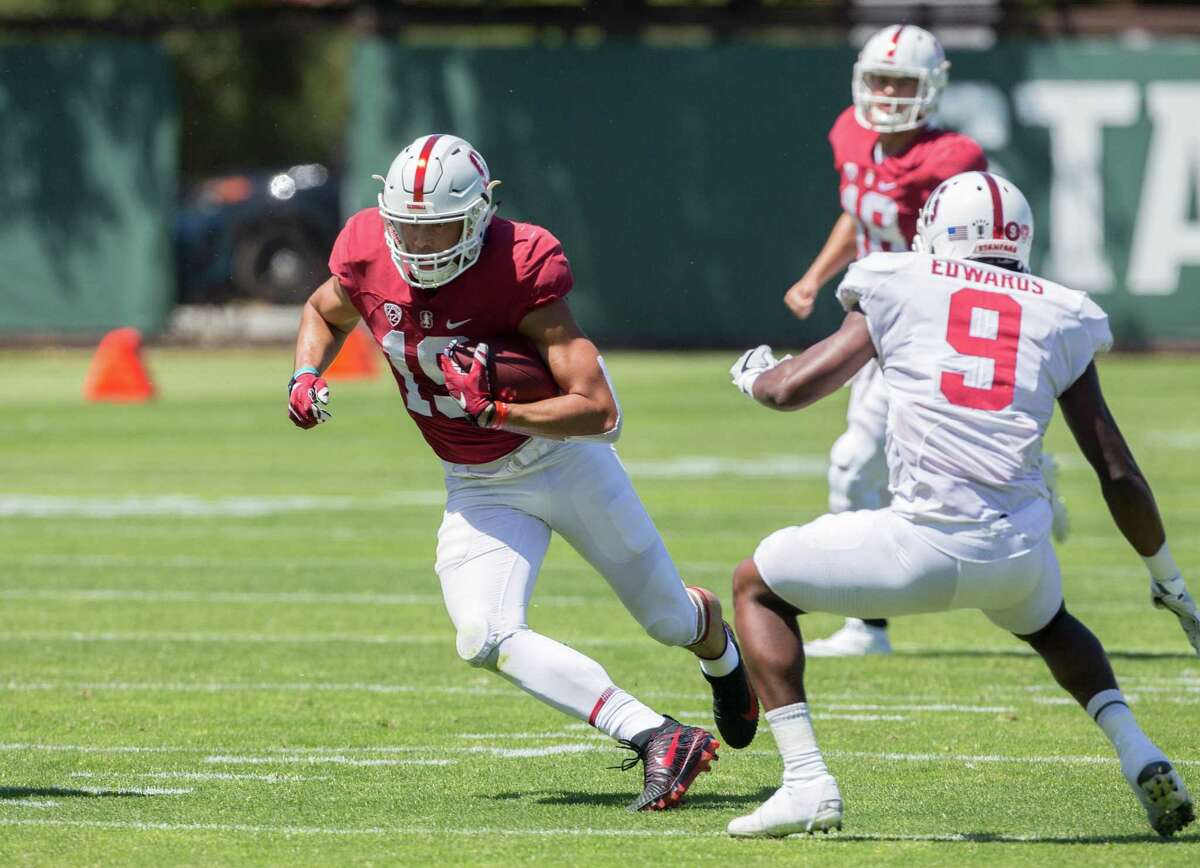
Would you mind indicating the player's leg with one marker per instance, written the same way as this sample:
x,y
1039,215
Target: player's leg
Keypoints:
x,y
858,479
593,505
489,554
1079,664
867,563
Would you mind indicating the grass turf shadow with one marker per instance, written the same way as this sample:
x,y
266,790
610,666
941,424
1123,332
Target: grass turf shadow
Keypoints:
x,y
704,801
27,792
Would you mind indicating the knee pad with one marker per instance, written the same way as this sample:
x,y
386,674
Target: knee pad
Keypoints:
x,y
857,473
477,642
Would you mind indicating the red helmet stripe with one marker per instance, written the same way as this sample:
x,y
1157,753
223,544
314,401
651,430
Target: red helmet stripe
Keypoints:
x,y
997,207
891,52
422,161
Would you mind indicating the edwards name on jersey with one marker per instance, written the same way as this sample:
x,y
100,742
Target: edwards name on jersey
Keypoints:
x,y
521,267
975,357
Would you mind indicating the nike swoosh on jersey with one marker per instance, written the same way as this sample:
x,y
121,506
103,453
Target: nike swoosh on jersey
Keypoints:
x,y
450,324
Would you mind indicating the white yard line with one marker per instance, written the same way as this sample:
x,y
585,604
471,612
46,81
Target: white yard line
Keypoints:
x,y
455,690
134,791
205,776
222,638
29,803
160,505
266,686
320,759
446,638
710,466
260,756
313,598
485,832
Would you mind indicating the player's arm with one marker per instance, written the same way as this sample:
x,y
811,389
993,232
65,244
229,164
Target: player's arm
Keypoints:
x,y
838,252
1128,495
326,319
820,370
587,406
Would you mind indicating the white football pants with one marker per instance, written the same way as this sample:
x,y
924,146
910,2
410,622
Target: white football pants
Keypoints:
x,y
876,564
491,544
858,471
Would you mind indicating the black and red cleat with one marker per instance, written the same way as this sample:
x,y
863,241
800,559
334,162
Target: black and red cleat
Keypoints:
x,y
673,754
735,706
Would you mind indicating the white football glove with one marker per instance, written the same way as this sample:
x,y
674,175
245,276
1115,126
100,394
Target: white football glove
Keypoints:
x,y
753,364
1173,596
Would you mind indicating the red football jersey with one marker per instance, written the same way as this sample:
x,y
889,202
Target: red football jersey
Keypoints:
x,y
884,194
521,267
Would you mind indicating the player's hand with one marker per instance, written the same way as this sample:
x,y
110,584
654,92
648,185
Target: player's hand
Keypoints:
x,y
753,364
1173,595
308,396
470,387
801,297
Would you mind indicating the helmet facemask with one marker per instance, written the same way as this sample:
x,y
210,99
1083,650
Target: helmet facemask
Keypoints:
x,y
431,270
894,114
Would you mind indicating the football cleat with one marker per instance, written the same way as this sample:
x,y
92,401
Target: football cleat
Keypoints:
x,y
1165,798
735,705
673,754
812,807
855,639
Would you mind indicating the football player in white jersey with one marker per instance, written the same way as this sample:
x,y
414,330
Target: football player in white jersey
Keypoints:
x,y
976,352
890,154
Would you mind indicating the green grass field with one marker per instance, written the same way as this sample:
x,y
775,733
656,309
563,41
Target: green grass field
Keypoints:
x,y
222,641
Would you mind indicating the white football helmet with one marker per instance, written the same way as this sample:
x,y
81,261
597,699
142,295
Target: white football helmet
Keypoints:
x,y
899,51
439,178
976,215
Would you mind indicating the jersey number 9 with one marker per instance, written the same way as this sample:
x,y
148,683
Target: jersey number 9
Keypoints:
x,y
991,313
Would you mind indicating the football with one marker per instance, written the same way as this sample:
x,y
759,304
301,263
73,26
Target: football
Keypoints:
x,y
515,368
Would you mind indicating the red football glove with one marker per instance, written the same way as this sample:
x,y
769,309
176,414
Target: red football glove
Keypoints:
x,y
308,396
471,388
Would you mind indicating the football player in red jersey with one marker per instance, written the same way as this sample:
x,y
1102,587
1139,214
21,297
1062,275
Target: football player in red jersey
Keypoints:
x,y
431,265
889,155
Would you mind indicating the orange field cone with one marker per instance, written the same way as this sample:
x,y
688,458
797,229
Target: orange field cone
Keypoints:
x,y
357,359
117,372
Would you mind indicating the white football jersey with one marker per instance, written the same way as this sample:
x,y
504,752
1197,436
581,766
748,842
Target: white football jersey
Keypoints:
x,y
974,357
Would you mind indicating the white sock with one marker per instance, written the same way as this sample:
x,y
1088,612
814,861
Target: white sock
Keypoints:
x,y
1110,711
723,665
621,716
793,731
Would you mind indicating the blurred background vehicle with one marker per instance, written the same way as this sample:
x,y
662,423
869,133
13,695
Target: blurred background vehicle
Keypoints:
x,y
256,236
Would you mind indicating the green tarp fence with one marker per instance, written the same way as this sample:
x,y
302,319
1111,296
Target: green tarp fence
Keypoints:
x,y
691,187
88,145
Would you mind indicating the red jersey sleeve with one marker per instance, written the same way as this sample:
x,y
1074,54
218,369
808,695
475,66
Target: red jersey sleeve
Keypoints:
x,y
350,253
844,133
542,268
959,153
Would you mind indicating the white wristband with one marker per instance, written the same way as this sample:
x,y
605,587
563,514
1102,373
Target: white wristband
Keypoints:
x,y
1161,565
748,381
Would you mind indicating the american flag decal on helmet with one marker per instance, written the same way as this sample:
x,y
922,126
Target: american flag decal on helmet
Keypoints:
x,y
956,233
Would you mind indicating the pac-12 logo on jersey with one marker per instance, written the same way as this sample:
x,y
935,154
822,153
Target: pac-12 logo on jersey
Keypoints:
x,y
394,313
